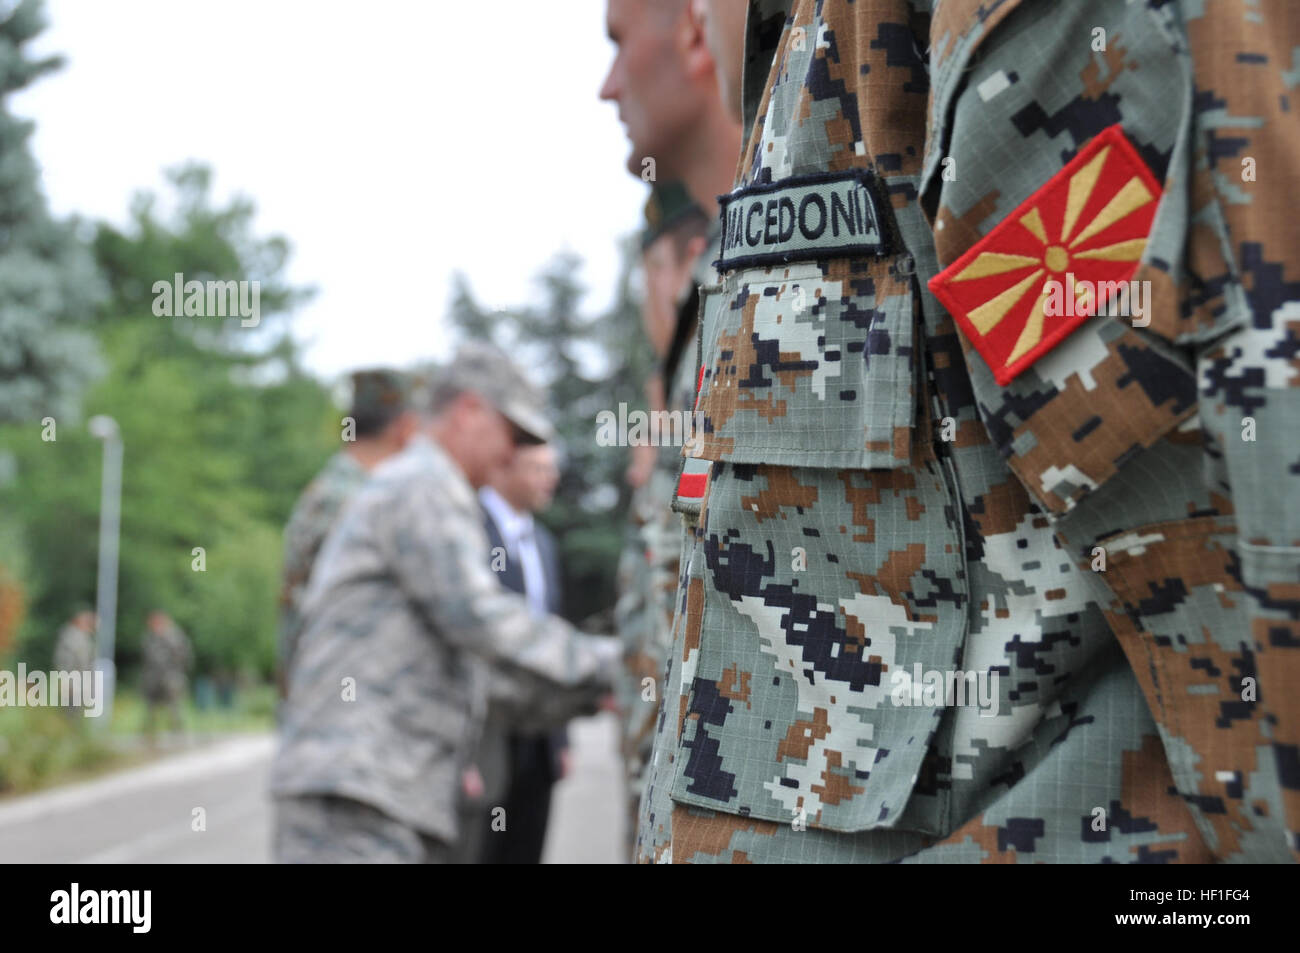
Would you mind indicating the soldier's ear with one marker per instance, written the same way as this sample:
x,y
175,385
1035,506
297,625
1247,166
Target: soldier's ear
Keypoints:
x,y
693,44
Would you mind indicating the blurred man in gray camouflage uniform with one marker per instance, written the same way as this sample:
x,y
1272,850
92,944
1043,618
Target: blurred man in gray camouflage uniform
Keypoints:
x,y
167,658
75,649
401,619
1083,499
378,425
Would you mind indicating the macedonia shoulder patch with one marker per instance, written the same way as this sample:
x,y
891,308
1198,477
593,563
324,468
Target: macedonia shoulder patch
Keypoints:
x,y
1050,265
804,218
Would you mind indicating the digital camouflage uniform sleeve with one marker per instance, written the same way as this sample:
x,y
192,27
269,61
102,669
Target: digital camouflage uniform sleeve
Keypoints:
x,y
315,513
641,621
438,553
1247,62
872,507
1165,449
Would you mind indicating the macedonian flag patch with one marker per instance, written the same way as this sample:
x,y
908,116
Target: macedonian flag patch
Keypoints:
x,y
1048,266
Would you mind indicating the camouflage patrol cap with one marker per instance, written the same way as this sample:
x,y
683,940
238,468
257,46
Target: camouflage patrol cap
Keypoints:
x,y
488,371
669,204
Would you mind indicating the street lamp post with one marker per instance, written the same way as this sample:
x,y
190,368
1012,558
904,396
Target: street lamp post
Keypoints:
x,y
110,508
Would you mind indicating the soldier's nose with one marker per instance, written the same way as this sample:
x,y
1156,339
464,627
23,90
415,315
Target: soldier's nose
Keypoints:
x,y
609,88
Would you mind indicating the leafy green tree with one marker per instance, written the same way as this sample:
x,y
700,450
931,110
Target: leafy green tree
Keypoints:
x,y
221,430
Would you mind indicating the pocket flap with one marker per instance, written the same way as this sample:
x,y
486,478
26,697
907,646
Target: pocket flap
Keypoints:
x,y
809,364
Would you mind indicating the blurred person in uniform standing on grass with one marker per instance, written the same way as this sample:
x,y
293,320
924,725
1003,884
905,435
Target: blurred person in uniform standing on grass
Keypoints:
x,y
167,659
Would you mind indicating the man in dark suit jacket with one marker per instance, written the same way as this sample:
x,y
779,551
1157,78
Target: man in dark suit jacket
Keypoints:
x,y
525,556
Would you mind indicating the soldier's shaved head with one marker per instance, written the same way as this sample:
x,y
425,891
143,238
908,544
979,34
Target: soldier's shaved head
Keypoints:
x,y
724,30
663,80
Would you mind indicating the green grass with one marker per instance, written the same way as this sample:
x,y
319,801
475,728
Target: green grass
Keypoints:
x,y
42,747
253,710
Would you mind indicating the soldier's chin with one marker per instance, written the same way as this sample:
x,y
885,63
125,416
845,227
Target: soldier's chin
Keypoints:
x,y
636,163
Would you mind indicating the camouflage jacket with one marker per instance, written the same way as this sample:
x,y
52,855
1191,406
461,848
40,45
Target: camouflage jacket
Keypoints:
x,y
310,522
75,650
167,658
1103,537
401,621
639,615
650,565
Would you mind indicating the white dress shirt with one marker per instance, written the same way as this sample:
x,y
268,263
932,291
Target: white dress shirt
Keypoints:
x,y
518,532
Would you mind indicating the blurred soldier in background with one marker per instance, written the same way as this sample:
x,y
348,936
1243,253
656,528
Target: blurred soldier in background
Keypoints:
x,y
1090,510
401,618
380,425
167,658
664,80
75,649
517,763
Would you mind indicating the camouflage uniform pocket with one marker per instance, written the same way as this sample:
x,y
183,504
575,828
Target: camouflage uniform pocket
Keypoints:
x,y
803,611
809,365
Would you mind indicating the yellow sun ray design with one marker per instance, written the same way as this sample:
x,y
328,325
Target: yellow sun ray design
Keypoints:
x,y
1033,330
1081,184
1033,221
1130,250
988,315
1127,200
993,263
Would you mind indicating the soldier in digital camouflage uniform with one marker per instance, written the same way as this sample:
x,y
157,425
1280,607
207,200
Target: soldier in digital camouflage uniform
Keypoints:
x,y
666,88
380,425
674,232
75,649
400,624
1101,510
167,658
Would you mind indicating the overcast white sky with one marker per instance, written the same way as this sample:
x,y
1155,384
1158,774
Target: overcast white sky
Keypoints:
x,y
392,142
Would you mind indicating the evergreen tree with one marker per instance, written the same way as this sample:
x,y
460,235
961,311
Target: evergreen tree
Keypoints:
x,y
473,322
587,365
48,283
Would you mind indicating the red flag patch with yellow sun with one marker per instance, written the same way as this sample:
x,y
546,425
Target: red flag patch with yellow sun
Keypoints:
x,y
1049,265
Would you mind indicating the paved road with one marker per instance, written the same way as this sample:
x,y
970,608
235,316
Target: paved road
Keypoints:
x,y
588,818
148,814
